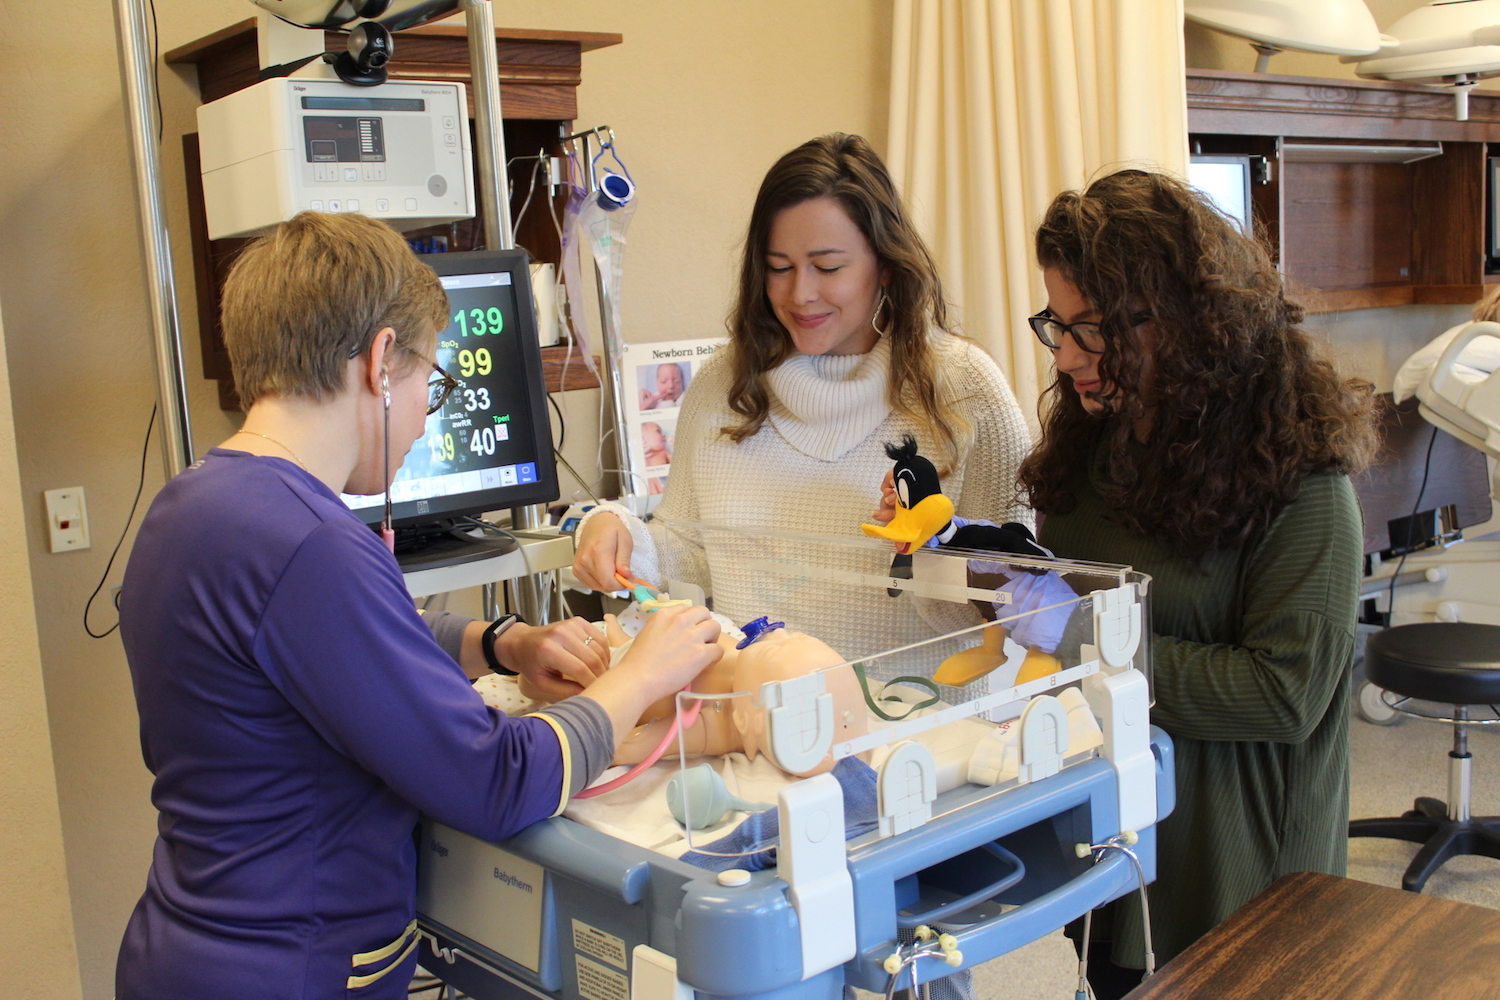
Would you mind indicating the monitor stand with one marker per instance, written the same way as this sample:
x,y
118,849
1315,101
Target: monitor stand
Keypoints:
x,y
444,543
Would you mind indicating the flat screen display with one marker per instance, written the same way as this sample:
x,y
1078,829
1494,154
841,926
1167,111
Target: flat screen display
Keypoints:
x,y
1226,181
1492,231
490,446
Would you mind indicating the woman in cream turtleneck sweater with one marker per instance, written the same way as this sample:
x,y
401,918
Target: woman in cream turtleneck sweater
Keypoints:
x,y
839,343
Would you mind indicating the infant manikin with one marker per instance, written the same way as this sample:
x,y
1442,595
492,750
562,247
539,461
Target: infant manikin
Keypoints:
x,y
738,725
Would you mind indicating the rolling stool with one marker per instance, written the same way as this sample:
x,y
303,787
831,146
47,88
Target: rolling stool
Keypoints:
x,y
1455,663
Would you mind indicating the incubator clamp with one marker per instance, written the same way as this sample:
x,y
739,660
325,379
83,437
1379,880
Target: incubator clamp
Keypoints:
x,y
799,721
1043,739
815,866
1123,705
907,787
1117,625
1122,702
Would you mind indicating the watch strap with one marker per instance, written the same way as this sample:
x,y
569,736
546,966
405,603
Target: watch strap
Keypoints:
x,y
487,643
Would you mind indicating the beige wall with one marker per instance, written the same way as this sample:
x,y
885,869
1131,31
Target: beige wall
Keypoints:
x,y
36,919
704,95
79,350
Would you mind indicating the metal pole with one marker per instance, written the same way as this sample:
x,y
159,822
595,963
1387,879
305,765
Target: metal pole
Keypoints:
x,y
489,142
489,137
171,383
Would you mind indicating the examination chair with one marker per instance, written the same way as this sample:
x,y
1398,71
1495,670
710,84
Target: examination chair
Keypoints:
x,y
1448,663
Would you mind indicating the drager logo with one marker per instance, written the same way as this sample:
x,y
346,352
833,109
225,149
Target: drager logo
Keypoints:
x,y
438,848
511,880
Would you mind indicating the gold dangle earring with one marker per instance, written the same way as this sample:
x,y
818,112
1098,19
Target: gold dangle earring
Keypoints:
x,y
879,305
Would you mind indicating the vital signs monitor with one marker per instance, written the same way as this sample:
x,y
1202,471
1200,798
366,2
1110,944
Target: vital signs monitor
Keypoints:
x,y
398,152
490,446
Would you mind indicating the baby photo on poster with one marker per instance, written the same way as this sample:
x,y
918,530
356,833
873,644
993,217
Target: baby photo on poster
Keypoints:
x,y
656,444
662,385
655,377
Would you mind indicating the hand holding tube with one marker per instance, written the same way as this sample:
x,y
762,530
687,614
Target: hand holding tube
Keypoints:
x,y
603,549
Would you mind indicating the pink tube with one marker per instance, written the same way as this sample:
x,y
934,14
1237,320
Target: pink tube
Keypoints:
x,y
686,718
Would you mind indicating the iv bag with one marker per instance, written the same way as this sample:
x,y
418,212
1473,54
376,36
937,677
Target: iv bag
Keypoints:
x,y
603,220
572,267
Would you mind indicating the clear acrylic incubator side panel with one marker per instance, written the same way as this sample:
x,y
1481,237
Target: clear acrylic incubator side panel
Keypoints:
x,y
916,694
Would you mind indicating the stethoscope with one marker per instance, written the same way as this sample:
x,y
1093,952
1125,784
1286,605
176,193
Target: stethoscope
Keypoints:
x,y
1122,842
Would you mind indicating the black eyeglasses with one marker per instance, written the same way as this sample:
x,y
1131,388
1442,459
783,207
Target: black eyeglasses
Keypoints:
x,y
1088,336
439,387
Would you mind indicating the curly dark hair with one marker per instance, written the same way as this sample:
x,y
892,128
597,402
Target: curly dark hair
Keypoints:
x,y
847,169
1239,403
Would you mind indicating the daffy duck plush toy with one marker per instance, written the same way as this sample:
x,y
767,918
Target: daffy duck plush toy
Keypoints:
x,y
923,513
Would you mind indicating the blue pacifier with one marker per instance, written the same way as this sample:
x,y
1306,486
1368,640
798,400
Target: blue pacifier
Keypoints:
x,y
757,630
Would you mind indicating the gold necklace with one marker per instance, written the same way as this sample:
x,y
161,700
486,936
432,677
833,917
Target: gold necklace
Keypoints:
x,y
279,445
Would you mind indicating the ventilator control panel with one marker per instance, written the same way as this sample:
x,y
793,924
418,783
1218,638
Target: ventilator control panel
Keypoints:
x,y
398,152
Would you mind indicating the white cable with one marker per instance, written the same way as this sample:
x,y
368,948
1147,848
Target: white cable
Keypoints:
x,y
541,159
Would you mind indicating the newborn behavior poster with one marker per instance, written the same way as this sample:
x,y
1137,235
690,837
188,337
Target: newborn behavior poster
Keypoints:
x,y
656,377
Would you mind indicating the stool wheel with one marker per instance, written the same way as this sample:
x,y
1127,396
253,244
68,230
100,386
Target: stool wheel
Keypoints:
x,y
1370,706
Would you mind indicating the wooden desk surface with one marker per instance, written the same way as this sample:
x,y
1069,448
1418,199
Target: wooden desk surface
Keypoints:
x,y
1324,938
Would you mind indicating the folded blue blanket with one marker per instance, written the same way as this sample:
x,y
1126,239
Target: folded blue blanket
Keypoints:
x,y
752,843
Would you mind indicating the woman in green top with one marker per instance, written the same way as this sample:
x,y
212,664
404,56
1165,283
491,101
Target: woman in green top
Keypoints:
x,y
1193,432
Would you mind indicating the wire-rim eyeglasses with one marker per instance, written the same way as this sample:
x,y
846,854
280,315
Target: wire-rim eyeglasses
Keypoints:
x,y
440,388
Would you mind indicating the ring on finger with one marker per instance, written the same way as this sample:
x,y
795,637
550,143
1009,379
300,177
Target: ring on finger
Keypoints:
x,y
587,639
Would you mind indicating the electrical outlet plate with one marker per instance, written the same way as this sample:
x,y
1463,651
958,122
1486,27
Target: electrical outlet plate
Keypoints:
x,y
67,519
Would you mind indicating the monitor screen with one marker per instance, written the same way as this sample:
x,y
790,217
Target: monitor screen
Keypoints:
x,y
1226,181
490,446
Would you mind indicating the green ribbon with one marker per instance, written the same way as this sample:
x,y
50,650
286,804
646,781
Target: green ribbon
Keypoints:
x,y
871,701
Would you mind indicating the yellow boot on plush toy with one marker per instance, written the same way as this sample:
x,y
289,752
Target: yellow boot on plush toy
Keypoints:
x,y
1038,664
971,664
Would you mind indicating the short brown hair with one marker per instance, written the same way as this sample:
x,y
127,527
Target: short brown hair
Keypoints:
x,y
846,169
303,300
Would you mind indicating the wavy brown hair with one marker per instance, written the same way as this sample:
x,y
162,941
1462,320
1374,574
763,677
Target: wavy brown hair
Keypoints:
x,y
1240,404
845,168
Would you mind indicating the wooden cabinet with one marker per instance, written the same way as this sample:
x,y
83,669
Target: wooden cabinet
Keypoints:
x,y
1352,235
539,76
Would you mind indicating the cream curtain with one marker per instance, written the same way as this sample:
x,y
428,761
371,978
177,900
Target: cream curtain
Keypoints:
x,y
998,105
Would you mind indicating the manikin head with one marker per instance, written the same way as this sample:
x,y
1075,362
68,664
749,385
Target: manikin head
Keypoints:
x,y
781,655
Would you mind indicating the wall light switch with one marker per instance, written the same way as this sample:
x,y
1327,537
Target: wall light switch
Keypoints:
x,y
67,519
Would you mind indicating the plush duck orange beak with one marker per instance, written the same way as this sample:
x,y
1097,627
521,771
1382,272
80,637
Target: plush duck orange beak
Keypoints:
x,y
912,526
